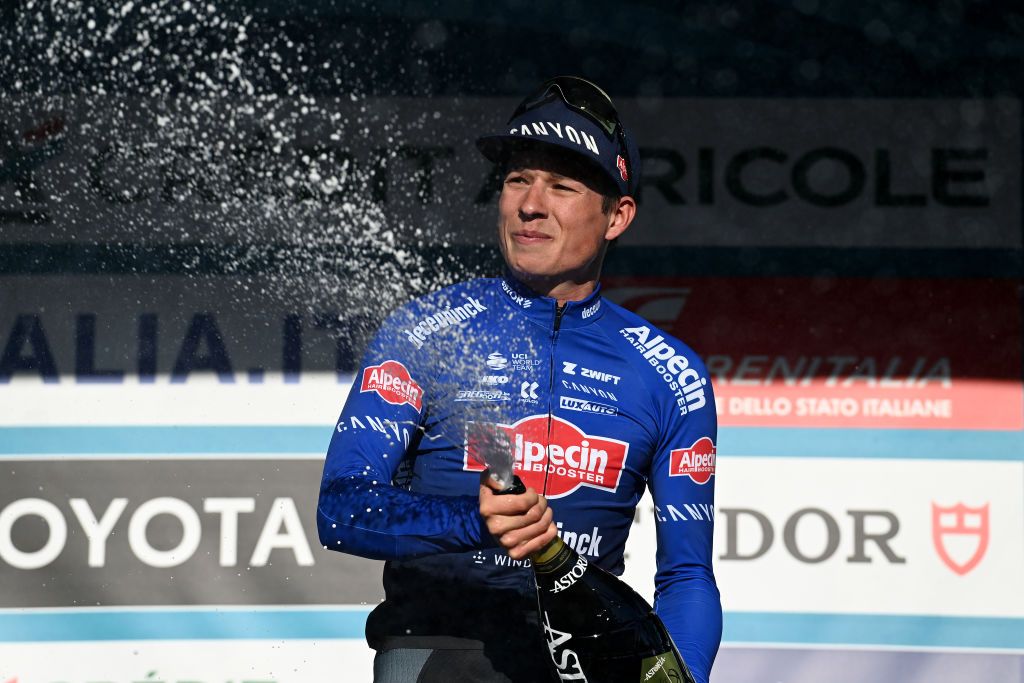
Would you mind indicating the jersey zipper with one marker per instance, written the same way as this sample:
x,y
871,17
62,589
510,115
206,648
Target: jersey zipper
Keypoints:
x,y
559,312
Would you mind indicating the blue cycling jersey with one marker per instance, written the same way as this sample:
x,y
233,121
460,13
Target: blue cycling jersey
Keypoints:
x,y
597,404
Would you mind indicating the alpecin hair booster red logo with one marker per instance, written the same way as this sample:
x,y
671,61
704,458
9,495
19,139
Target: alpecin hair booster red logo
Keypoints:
x,y
696,462
556,457
393,383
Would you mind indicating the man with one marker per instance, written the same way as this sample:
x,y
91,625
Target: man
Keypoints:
x,y
597,404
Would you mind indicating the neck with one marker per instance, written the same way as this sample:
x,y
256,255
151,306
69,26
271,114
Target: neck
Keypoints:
x,y
561,291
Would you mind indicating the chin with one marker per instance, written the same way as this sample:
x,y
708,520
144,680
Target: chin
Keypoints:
x,y
530,271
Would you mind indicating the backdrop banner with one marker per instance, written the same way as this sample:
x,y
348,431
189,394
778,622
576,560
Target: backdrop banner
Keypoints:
x,y
928,173
174,356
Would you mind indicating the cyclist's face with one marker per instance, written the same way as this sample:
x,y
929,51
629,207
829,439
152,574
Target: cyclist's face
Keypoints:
x,y
552,229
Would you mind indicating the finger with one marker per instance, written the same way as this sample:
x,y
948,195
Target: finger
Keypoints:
x,y
534,545
494,504
490,482
522,534
499,524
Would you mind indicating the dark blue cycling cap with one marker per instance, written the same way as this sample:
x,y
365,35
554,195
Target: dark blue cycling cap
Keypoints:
x,y
574,114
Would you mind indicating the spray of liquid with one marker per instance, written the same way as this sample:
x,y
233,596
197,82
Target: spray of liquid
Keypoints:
x,y
217,138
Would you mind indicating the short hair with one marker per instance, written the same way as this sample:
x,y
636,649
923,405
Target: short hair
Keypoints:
x,y
608,202
582,169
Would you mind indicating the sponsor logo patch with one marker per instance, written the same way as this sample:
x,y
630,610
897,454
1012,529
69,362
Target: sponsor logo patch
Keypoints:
x,y
588,543
582,405
496,361
600,376
528,391
684,382
516,296
571,369
560,129
483,395
696,462
588,389
393,383
560,453
685,512
453,315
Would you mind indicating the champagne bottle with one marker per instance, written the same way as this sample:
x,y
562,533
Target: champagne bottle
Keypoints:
x,y
598,629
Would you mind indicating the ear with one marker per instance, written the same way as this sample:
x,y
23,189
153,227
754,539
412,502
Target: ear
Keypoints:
x,y
620,217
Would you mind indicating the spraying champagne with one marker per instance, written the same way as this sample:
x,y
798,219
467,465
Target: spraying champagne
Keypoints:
x,y
598,629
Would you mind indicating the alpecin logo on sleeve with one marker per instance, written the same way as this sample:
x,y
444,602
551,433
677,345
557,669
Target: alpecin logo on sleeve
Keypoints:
x,y
696,462
393,383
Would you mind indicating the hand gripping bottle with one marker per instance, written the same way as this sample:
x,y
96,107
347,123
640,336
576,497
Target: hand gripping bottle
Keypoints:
x,y
598,629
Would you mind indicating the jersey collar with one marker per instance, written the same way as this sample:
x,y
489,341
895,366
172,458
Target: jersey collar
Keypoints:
x,y
542,309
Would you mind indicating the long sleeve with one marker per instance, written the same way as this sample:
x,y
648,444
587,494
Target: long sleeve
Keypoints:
x,y
682,483
360,510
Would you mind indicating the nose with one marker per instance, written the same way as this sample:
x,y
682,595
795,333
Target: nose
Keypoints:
x,y
533,204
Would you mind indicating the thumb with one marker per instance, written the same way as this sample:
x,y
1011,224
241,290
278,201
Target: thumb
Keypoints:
x,y
490,482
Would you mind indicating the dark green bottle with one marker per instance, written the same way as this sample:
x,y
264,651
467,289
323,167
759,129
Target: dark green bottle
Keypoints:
x,y
598,629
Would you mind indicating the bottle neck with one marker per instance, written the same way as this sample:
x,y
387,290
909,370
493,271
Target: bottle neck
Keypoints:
x,y
552,556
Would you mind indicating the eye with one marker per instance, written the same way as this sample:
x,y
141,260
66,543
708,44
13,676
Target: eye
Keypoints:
x,y
514,179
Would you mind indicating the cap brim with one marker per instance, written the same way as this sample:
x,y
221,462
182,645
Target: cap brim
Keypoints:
x,y
498,148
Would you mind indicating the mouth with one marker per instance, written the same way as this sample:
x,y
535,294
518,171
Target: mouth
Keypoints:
x,y
530,237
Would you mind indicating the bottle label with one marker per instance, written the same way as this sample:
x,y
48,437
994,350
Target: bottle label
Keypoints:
x,y
663,668
570,577
565,659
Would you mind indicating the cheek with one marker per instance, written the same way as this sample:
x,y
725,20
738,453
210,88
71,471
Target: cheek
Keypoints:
x,y
506,205
588,233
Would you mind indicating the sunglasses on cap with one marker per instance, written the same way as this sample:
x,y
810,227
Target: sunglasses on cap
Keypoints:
x,y
585,97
